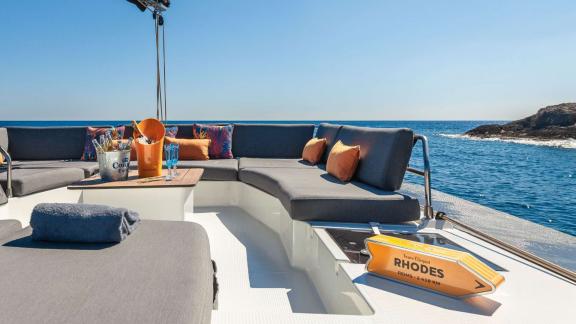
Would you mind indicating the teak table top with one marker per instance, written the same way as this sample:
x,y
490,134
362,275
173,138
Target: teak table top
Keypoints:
x,y
185,178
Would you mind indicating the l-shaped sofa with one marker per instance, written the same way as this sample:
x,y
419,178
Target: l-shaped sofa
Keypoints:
x,y
184,285
266,156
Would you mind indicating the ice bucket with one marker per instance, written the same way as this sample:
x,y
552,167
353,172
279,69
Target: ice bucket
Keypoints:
x,y
149,155
114,165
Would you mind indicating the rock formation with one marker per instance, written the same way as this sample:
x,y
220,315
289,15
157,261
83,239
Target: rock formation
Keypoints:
x,y
549,123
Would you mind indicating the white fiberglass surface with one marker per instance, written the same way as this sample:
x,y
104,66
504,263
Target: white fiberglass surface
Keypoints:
x,y
254,272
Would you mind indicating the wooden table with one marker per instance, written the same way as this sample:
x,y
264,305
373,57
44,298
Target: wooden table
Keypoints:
x,y
152,198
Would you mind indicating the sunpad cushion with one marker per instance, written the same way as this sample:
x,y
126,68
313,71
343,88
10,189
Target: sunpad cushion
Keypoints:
x,y
8,227
270,140
46,143
161,274
89,167
273,163
314,195
28,181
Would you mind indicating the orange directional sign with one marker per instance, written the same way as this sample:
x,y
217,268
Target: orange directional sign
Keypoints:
x,y
450,272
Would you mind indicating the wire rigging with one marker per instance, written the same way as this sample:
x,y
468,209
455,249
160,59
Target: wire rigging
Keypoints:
x,y
157,7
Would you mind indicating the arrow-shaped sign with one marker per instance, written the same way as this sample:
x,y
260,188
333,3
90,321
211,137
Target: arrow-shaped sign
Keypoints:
x,y
450,272
480,285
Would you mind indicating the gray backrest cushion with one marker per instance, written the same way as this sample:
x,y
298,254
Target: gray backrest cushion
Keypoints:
x,y
46,143
270,140
4,138
329,132
384,154
185,131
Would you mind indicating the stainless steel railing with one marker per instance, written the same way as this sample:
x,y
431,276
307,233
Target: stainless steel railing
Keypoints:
x,y
428,210
8,160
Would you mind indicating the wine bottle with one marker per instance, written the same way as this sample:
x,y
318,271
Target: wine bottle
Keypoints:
x,y
97,146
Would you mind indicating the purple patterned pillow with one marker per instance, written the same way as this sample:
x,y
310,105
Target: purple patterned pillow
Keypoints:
x,y
171,131
221,136
89,153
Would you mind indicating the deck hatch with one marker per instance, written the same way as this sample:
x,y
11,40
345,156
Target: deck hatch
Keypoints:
x,y
351,242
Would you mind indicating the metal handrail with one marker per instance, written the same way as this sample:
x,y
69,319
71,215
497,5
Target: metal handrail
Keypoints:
x,y
9,171
428,210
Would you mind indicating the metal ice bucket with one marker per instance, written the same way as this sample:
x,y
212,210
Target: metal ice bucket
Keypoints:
x,y
114,165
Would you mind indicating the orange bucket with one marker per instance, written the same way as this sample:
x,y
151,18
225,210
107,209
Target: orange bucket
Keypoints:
x,y
149,155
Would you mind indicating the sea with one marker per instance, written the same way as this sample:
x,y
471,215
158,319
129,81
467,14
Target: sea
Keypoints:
x,y
528,179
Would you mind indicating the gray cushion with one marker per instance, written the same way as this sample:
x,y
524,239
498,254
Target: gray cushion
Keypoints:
x,y
216,170
314,195
184,131
4,138
384,154
273,163
37,143
269,140
89,167
8,227
161,274
3,197
28,181
330,133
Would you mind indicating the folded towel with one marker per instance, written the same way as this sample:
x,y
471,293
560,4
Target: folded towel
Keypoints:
x,y
82,223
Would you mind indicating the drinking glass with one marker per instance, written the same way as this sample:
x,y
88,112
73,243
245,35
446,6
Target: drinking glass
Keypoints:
x,y
168,156
175,157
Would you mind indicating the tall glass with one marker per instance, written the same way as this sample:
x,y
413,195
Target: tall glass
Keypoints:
x,y
175,157
168,152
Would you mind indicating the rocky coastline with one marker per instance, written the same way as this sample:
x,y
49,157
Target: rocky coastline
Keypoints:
x,y
557,122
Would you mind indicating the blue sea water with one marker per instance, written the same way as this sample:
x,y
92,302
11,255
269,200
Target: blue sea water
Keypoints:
x,y
534,182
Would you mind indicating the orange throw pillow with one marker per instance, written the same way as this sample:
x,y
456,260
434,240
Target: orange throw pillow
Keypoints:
x,y
191,149
313,150
343,160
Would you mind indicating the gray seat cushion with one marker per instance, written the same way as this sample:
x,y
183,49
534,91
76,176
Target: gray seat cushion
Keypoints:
x,y
162,273
28,181
384,154
270,140
8,227
215,170
314,195
3,197
330,133
46,143
89,167
273,163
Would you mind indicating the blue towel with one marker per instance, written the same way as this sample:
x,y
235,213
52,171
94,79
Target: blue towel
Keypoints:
x,y
82,223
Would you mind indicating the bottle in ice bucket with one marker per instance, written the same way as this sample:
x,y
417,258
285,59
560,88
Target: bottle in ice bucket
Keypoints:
x,y
149,142
113,156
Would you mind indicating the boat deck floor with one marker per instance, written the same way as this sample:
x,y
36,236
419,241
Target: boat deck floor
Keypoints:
x,y
539,240
254,272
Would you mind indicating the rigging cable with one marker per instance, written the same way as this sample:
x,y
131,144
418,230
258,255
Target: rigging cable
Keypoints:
x,y
164,68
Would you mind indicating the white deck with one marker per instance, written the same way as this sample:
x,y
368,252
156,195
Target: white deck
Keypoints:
x,y
275,270
252,264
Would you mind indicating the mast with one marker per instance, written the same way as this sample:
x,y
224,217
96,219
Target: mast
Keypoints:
x,y
157,8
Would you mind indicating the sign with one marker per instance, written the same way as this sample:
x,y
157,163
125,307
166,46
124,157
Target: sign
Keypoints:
x,y
449,272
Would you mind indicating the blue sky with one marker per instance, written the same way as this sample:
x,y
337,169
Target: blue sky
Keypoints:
x,y
289,59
